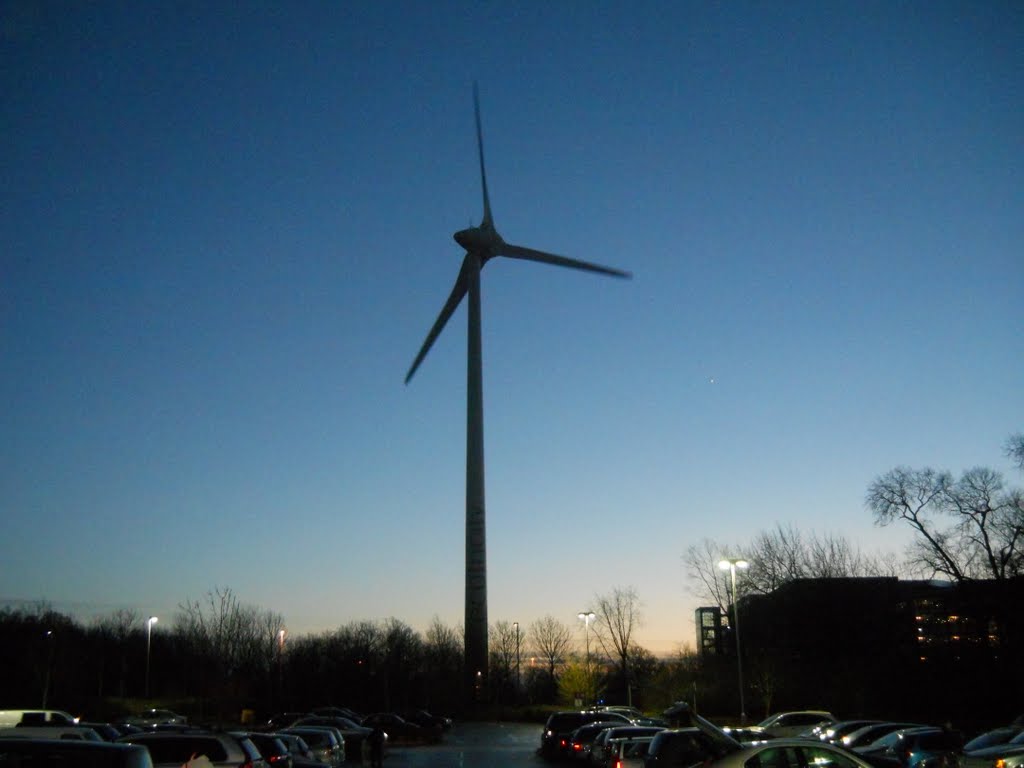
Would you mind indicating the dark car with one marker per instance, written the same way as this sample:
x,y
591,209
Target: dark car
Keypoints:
x,y
554,739
426,719
994,737
73,752
151,717
355,735
869,734
274,751
833,732
681,748
926,747
302,755
1007,755
399,729
338,712
106,730
324,744
581,741
601,751
284,719
175,749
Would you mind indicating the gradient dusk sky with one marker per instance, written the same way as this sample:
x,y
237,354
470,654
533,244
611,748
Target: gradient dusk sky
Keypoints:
x,y
226,230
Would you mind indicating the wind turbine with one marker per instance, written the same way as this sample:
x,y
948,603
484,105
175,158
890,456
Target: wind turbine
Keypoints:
x,y
482,243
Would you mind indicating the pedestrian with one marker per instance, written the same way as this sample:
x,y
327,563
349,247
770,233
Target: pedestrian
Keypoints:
x,y
376,739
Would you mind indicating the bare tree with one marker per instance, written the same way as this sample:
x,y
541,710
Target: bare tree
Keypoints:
x,y
969,528
777,556
230,635
707,581
550,641
618,617
1014,448
504,643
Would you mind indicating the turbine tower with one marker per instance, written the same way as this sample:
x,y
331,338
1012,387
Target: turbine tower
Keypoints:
x,y
481,243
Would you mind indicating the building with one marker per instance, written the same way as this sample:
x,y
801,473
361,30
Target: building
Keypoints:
x,y
882,647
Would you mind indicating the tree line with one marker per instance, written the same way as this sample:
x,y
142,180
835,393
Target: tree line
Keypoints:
x,y
220,656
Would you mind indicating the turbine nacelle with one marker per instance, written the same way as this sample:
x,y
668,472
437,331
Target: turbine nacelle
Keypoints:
x,y
483,239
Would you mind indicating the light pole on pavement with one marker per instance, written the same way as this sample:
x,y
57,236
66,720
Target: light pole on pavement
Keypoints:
x,y
149,639
586,617
731,564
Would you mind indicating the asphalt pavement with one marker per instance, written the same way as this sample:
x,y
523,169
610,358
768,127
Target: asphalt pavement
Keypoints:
x,y
474,745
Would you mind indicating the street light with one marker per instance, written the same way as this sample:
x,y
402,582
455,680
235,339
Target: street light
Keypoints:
x,y
586,617
281,634
149,639
731,564
49,664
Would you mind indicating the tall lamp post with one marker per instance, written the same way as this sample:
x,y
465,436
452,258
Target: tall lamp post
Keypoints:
x,y
586,617
731,564
149,640
52,638
281,634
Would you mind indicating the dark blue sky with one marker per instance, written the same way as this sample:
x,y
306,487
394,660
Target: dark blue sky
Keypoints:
x,y
227,230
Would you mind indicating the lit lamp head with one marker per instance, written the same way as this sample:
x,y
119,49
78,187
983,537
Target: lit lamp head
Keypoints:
x,y
725,565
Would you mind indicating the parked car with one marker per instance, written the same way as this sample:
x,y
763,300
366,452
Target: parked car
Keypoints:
x,y
399,729
927,747
284,719
274,751
73,752
791,752
628,752
338,712
302,755
581,741
12,717
834,732
554,739
1008,755
355,735
994,738
869,734
426,719
783,724
322,741
175,749
601,751
684,747
106,731
746,735
151,717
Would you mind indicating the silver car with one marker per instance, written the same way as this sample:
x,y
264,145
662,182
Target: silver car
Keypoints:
x,y
791,753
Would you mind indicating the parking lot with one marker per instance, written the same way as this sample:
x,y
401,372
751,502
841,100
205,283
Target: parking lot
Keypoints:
x,y
474,745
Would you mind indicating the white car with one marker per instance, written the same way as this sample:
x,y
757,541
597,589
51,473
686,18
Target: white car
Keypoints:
x,y
791,753
783,724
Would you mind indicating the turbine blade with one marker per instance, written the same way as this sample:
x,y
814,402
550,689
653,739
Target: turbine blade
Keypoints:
x,y
458,291
529,254
480,147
